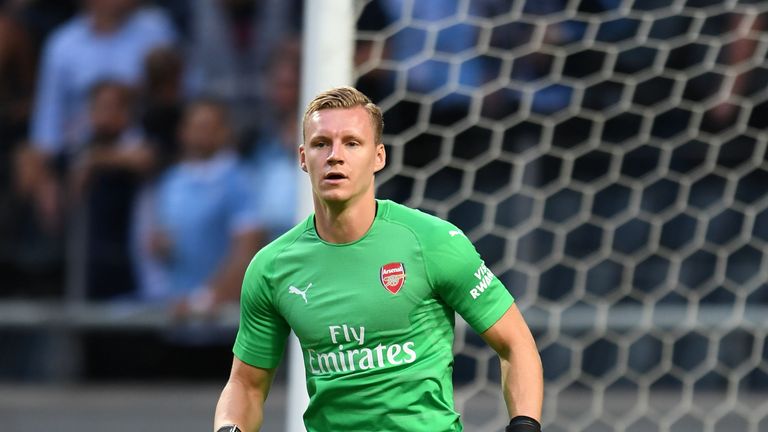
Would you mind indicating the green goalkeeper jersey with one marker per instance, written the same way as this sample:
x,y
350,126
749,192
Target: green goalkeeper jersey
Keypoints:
x,y
374,317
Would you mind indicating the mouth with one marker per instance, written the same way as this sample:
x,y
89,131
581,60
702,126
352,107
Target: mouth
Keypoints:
x,y
334,177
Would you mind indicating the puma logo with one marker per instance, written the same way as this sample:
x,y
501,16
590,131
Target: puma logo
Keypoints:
x,y
293,290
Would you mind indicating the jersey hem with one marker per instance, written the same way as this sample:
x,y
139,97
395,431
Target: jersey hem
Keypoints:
x,y
254,360
494,315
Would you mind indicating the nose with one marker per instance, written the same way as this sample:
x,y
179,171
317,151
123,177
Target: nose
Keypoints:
x,y
336,155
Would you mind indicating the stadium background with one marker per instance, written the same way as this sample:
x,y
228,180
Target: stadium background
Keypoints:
x,y
607,158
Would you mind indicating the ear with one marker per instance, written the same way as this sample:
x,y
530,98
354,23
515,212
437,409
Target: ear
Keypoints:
x,y
302,159
381,157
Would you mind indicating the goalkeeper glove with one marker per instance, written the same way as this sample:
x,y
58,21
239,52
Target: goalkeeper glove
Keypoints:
x,y
523,424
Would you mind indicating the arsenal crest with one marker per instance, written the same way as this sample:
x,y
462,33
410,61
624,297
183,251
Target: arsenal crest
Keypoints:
x,y
392,276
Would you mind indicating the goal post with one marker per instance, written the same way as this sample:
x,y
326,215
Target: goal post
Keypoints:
x,y
326,62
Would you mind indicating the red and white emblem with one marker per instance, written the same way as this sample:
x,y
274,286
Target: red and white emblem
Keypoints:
x,y
392,276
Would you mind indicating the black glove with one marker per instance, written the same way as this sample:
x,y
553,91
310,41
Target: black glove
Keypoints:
x,y
523,424
229,428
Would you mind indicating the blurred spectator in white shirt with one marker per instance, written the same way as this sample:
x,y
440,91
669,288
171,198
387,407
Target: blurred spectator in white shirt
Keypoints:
x,y
107,41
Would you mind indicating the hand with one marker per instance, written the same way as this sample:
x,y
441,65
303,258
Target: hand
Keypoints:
x,y
202,303
523,424
78,182
48,203
161,246
29,169
83,169
723,112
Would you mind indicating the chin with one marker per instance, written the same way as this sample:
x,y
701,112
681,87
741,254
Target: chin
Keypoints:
x,y
333,196
336,199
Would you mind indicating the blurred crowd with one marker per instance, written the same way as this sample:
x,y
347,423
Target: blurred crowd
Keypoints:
x,y
146,147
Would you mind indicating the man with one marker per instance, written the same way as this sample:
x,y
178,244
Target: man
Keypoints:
x,y
370,288
106,178
207,222
107,41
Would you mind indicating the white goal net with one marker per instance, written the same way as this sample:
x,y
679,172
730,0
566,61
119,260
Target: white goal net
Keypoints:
x,y
608,160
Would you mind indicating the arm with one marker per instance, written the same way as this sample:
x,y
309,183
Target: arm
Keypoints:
x,y
138,161
49,108
521,372
737,54
16,55
36,180
744,48
471,289
247,238
225,284
34,174
242,401
260,341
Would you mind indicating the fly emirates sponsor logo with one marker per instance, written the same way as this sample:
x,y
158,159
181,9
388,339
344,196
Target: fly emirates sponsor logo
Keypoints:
x,y
485,276
344,360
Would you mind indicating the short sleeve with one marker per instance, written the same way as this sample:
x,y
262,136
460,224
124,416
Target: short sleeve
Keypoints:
x,y
462,280
263,332
50,104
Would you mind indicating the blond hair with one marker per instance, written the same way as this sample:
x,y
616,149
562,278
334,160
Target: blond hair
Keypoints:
x,y
346,97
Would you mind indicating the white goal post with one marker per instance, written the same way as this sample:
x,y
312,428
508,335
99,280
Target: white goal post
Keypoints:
x,y
327,52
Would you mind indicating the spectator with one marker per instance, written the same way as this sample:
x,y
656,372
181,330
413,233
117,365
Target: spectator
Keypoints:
x,y
109,40
16,86
162,107
273,157
163,102
231,44
16,79
737,55
42,17
207,227
106,177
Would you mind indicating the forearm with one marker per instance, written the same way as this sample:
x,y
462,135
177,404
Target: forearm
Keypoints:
x,y
33,170
523,382
522,379
225,284
240,406
140,160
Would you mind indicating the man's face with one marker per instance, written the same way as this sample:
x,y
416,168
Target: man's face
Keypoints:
x,y
340,154
110,112
112,8
203,132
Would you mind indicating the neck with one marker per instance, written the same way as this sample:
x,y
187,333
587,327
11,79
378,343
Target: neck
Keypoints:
x,y
344,223
106,23
166,95
200,155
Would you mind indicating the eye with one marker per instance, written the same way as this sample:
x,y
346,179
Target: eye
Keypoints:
x,y
319,144
353,143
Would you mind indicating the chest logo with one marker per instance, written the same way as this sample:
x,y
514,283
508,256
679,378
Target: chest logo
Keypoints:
x,y
303,294
392,276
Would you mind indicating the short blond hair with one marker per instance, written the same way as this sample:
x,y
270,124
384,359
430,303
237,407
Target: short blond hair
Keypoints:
x,y
346,97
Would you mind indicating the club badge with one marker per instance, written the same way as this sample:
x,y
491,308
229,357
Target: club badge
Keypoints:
x,y
392,276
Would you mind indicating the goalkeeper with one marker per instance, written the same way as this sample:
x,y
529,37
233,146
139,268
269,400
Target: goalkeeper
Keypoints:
x,y
370,288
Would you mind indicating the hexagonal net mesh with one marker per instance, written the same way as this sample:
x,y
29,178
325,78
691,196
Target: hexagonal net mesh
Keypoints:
x,y
608,160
